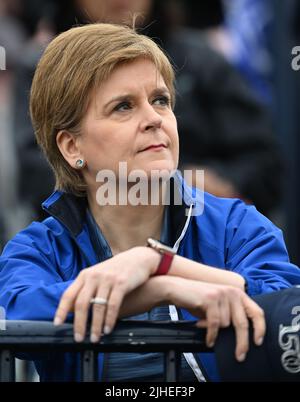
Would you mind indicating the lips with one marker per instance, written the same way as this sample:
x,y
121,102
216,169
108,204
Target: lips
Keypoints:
x,y
154,146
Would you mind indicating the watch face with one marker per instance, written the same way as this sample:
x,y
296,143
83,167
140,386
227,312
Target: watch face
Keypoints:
x,y
160,247
167,249
152,243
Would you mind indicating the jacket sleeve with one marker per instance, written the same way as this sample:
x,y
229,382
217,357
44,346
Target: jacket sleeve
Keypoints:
x,y
256,250
31,283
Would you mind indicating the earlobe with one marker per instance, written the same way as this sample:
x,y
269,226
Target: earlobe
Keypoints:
x,y
80,163
68,145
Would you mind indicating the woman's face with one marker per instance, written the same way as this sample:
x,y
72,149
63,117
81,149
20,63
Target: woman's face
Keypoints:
x,y
113,11
129,113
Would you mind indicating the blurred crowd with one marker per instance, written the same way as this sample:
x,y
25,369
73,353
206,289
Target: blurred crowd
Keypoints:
x,y
230,81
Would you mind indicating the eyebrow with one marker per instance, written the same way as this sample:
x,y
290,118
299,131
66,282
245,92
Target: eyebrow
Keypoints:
x,y
120,98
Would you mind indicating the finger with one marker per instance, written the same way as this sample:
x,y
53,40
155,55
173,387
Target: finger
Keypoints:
x,y
113,308
99,312
241,326
67,301
224,312
257,316
81,311
213,323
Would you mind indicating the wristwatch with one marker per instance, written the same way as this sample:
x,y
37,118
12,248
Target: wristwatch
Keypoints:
x,y
167,255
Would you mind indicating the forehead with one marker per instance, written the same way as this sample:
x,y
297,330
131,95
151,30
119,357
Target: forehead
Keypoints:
x,y
138,74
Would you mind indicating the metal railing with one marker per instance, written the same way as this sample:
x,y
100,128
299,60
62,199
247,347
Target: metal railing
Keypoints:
x,y
169,338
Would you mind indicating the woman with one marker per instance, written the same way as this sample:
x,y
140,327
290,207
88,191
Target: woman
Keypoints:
x,y
102,96
229,136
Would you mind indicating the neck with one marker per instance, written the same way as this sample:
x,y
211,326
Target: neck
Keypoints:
x,y
125,227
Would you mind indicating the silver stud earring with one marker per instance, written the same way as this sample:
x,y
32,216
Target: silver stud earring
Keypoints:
x,y
80,163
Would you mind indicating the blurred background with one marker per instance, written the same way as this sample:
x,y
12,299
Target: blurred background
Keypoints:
x,y
237,105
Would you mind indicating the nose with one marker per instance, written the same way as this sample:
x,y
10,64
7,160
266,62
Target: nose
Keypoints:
x,y
151,120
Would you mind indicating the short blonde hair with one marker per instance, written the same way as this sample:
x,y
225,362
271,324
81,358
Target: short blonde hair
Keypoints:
x,y
72,66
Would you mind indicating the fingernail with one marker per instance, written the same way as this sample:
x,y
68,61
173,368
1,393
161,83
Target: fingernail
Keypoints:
x,y
107,330
260,341
210,344
57,321
78,338
94,338
241,357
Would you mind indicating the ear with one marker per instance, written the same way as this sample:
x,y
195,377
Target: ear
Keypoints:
x,y
69,146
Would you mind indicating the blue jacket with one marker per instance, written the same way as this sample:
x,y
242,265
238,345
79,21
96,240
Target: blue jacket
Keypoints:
x,y
40,262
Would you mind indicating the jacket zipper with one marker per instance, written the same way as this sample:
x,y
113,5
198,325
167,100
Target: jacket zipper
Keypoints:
x,y
174,314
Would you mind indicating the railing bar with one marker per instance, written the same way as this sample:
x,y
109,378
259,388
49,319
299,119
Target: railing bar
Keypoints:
x,y
89,366
172,361
7,366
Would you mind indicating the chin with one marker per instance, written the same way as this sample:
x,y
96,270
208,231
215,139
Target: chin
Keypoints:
x,y
160,168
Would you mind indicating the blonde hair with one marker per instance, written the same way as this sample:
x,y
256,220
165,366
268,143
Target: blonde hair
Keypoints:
x,y
72,66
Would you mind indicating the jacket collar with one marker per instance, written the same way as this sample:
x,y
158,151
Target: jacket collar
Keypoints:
x,y
70,210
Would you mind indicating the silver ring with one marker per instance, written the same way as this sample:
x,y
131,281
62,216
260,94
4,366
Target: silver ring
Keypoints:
x,y
99,300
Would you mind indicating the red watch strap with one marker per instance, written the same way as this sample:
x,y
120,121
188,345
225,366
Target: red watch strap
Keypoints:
x,y
165,264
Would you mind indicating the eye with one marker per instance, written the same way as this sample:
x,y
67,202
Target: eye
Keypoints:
x,y
162,101
122,107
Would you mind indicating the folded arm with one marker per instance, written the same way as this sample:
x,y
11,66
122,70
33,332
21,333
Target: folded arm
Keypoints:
x,y
216,306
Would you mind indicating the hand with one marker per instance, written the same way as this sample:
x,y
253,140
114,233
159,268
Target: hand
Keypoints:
x,y
219,306
110,280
